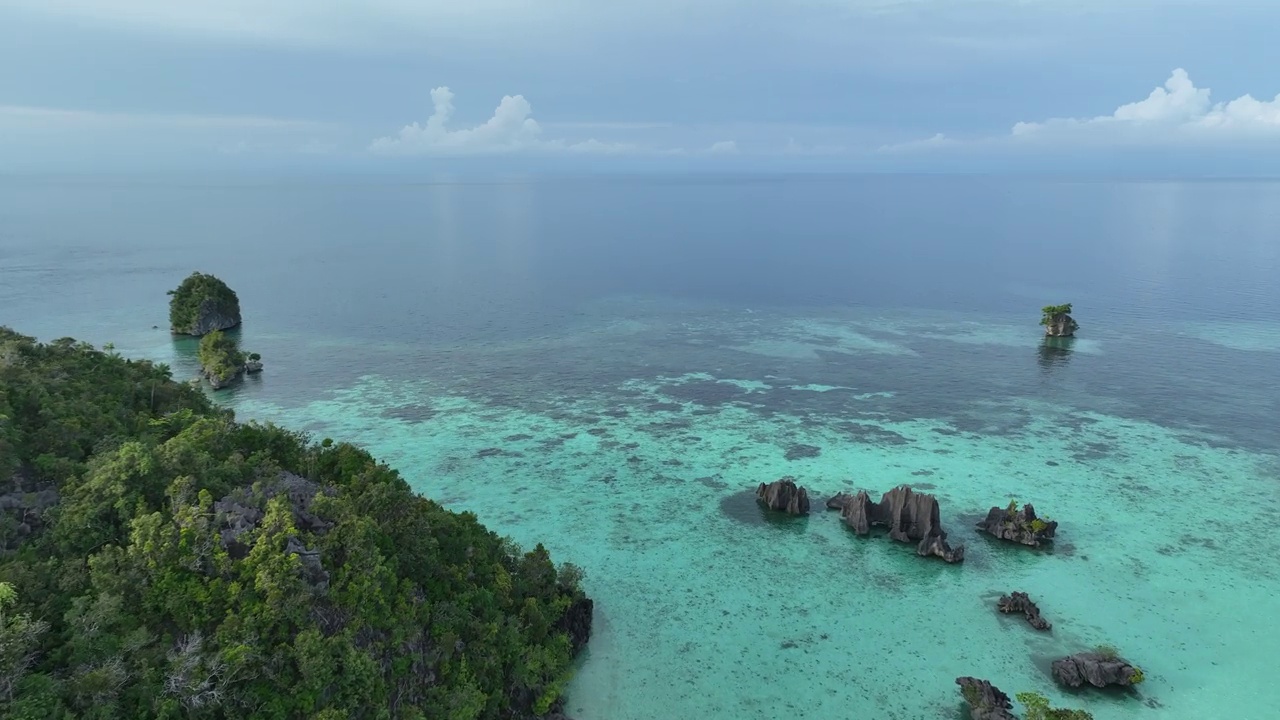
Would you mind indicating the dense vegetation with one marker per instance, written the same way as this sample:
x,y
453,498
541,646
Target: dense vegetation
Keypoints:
x,y
198,298
1050,313
160,560
220,358
1038,708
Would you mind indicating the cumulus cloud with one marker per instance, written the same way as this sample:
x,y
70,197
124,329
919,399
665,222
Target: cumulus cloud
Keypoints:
x,y
511,129
937,141
1177,111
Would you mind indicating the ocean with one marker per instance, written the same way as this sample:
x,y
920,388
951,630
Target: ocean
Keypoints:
x,y
610,365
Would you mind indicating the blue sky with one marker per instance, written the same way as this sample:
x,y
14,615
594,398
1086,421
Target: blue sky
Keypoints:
x,y
1135,86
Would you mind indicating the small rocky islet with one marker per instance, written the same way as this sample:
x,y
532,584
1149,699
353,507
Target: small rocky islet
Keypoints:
x,y
204,306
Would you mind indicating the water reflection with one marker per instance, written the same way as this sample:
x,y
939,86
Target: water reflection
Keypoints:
x,y
1055,352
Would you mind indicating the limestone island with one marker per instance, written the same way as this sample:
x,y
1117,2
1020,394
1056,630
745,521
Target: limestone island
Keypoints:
x,y
201,305
1101,668
784,496
163,560
1020,602
221,361
1019,526
909,515
1057,321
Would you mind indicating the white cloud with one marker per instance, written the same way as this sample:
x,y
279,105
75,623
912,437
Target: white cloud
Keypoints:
x,y
511,129
724,147
1177,112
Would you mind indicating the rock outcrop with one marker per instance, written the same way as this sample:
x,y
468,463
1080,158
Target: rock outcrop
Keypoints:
x,y
1099,669
1020,526
1060,325
201,305
1020,602
242,512
910,517
25,501
576,622
785,496
986,702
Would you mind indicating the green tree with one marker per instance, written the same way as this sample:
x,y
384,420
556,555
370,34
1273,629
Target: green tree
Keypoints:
x,y
1050,313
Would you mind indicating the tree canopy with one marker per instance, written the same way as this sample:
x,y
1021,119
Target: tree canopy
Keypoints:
x,y
186,565
1049,313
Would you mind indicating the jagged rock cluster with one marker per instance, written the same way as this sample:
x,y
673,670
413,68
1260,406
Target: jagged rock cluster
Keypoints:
x,y
1097,669
910,517
1020,526
985,700
785,496
1020,602
241,512
24,501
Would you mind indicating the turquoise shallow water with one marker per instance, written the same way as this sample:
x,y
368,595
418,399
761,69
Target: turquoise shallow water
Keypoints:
x,y
622,410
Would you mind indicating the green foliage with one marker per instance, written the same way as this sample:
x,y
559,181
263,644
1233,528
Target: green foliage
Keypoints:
x,y
1107,651
186,300
1038,525
1137,677
128,603
1049,312
220,357
1037,708
1012,509
255,357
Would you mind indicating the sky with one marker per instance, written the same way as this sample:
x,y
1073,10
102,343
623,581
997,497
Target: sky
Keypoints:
x,y
1186,87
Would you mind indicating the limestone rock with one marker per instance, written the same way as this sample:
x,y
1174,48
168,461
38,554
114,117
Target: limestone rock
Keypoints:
x,y
1020,526
577,623
213,314
985,700
910,517
312,569
25,501
784,495
1061,325
1097,669
1021,603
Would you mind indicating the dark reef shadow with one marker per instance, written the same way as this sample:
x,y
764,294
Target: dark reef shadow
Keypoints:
x,y
744,508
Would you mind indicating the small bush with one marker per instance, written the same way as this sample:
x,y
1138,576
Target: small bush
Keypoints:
x,y
1049,312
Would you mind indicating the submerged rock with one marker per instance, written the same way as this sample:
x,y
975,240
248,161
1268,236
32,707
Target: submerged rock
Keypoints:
x,y
1020,526
985,700
1021,603
1099,669
784,495
910,517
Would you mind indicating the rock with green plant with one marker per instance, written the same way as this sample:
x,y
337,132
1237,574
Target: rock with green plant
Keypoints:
x,y
1020,603
221,361
1057,321
985,700
1102,667
1019,525
1038,708
201,305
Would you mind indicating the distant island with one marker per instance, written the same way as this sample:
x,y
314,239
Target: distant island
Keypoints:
x,y
201,305
1057,321
159,559
221,361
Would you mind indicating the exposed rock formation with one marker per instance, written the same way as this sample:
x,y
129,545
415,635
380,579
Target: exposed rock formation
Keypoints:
x,y
1020,526
1021,603
202,304
784,495
577,623
1060,325
986,702
1099,669
910,517
24,501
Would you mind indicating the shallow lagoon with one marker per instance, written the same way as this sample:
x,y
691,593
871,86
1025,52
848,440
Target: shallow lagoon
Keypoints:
x,y
572,389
